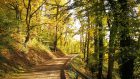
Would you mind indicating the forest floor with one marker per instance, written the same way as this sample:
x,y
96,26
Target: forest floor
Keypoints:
x,y
53,69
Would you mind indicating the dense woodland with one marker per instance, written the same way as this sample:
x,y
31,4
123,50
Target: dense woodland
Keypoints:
x,y
105,34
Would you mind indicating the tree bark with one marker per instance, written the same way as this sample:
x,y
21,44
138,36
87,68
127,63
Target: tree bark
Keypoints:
x,y
101,50
56,28
88,39
111,51
126,59
28,20
112,37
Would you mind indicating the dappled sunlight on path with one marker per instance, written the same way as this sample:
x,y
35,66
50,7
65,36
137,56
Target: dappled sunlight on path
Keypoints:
x,y
53,69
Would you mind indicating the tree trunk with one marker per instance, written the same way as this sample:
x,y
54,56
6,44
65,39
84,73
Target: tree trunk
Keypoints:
x,y
110,58
113,33
28,20
126,59
82,43
56,28
96,49
101,50
88,39
112,37
85,48
18,17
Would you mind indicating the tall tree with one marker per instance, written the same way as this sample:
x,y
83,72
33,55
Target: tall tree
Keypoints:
x,y
127,59
121,23
29,15
99,17
88,38
113,27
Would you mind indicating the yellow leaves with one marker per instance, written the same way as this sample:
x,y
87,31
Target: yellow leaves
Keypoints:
x,y
104,20
92,19
8,1
6,53
138,10
60,2
35,4
91,32
132,2
139,13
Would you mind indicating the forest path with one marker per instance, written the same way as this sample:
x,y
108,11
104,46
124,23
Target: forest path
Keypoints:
x,y
53,69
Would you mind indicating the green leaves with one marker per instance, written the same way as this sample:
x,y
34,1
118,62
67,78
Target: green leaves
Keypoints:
x,y
7,23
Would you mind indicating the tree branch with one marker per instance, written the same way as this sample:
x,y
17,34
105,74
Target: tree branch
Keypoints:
x,y
24,4
7,6
37,25
38,8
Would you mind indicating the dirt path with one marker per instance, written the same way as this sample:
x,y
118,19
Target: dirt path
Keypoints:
x,y
53,69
